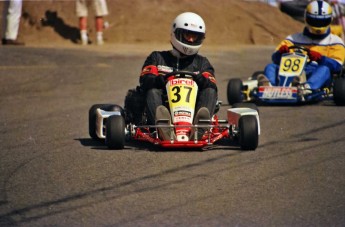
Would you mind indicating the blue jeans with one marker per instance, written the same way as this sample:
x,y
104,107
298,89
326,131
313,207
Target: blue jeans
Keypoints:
x,y
317,75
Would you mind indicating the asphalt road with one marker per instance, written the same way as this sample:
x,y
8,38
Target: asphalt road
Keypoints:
x,y
53,174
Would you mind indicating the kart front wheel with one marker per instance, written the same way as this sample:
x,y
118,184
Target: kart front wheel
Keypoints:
x,y
115,132
339,91
92,118
248,132
234,91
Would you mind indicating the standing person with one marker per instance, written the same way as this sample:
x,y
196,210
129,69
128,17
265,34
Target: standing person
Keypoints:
x,y
327,51
12,12
187,35
101,10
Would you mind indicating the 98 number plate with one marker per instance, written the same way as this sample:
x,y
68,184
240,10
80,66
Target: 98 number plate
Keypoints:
x,y
292,65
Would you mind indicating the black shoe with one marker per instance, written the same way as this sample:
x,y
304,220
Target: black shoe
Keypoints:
x,y
12,42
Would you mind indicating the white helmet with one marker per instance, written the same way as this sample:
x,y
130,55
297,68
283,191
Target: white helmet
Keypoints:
x,y
318,17
188,24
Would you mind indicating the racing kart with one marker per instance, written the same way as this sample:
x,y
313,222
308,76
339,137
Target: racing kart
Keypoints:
x,y
116,125
291,66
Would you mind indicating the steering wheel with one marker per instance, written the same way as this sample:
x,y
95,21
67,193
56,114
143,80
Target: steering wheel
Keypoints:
x,y
299,49
180,74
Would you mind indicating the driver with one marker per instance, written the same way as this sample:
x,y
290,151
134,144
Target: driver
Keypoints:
x,y
187,35
327,51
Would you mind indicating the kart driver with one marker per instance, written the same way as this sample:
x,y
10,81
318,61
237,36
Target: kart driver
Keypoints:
x,y
187,35
327,51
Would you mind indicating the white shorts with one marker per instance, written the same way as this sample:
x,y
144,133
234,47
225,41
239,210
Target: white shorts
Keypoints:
x,y
100,7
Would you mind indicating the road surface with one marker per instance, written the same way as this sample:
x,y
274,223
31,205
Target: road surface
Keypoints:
x,y
53,174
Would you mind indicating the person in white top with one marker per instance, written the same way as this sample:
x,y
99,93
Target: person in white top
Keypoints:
x,y
12,12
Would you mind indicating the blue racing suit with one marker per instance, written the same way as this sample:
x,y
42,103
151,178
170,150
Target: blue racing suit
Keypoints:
x,y
330,46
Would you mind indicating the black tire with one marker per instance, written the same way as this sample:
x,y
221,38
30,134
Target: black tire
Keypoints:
x,y
339,91
234,91
342,73
92,116
92,119
247,105
248,132
115,132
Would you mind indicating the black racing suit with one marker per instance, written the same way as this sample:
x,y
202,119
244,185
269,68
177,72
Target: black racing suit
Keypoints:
x,y
160,63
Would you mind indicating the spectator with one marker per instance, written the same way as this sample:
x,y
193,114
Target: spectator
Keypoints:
x,y
101,10
10,22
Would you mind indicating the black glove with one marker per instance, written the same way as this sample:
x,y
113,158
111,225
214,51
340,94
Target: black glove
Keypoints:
x,y
147,82
160,82
201,81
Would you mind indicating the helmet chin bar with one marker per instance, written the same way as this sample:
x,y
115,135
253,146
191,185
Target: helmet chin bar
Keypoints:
x,y
318,31
178,53
184,49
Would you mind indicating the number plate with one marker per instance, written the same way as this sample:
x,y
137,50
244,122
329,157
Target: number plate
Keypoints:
x,y
292,64
182,98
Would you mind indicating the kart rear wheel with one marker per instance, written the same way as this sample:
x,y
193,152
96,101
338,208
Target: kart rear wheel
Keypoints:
x,y
339,91
115,132
234,91
92,118
248,132
246,105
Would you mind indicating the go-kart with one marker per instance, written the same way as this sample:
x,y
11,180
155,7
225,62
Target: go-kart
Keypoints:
x,y
291,66
117,125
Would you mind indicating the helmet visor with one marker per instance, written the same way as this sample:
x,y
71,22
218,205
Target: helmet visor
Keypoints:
x,y
189,37
318,21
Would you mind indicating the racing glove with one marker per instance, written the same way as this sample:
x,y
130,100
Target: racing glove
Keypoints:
x,y
283,49
148,77
147,82
314,56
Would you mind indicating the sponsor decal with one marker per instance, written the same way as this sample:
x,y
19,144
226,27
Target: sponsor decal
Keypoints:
x,y
277,92
181,82
182,113
163,68
182,119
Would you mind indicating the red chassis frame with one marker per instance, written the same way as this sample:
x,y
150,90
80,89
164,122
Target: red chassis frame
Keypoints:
x,y
215,133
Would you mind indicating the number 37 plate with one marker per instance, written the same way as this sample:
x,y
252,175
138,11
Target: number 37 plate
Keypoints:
x,y
292,65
